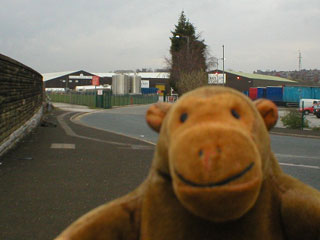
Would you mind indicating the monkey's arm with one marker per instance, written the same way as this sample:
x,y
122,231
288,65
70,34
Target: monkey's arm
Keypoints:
x,y
119,219
301,211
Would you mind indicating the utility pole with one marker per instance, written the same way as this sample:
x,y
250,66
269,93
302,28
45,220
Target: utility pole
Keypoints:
x,y
223,64
300,58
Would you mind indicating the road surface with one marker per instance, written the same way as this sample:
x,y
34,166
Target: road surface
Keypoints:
x,y
298,156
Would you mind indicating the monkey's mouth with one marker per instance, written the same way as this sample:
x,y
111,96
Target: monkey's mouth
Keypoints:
x,y
215,184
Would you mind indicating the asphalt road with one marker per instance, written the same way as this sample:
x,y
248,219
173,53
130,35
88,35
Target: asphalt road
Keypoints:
x,y
298,156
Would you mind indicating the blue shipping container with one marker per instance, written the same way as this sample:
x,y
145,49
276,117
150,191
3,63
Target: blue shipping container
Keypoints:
x,y
149,90
274,94
261,92
316,92
295,93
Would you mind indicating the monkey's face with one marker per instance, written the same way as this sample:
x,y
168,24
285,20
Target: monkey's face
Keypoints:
x,y
214,153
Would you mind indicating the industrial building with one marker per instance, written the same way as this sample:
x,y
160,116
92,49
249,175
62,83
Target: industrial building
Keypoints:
x,y
72,79
244,81
237,80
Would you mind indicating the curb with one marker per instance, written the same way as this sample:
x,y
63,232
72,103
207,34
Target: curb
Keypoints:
x,y
279,133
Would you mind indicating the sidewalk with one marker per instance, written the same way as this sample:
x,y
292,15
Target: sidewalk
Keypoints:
x,y
63,170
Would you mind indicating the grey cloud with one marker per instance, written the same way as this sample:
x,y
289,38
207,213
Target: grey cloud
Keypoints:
x,y
102,35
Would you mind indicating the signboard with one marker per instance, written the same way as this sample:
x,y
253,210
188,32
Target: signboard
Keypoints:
x,y
81,76
145,84
216,78
100,92
95,80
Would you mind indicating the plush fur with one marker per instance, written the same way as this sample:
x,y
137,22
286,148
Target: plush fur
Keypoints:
x,y
213,177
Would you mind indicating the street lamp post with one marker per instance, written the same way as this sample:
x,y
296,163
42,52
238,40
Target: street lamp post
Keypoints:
x,y
188,41
223,64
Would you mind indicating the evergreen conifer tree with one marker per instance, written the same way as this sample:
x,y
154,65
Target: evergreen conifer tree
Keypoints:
x,y
188,53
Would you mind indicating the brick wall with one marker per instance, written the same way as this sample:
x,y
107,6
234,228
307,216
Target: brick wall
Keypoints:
x,y
21,95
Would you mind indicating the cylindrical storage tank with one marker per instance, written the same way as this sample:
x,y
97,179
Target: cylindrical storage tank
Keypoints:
x,y
126,84
114,84
120,84
135,82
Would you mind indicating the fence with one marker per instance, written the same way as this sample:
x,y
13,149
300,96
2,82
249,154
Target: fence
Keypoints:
x,y
105,100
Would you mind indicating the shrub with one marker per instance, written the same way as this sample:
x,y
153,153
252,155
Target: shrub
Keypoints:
x,y
293,120
316,129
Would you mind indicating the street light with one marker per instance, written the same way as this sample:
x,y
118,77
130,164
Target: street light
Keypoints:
x,y
223,61
188,40
223,64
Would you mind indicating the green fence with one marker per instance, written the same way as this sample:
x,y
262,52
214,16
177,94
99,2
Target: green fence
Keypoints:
x,y
105,100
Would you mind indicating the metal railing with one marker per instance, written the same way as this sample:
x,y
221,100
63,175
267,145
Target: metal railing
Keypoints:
x,y
103,100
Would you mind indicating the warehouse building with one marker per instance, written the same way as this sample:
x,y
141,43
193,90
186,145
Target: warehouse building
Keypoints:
x,y
237,80
72,79
68,80
244,81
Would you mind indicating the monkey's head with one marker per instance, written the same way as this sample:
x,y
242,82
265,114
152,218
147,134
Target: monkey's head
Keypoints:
x,y
214,144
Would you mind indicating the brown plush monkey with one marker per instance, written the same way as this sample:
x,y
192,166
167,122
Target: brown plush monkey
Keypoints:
x,y
213,177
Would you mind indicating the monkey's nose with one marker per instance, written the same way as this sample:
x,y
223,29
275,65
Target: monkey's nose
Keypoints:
x,y
207,156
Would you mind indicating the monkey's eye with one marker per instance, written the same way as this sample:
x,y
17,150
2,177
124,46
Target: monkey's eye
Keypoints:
x,y
183,117
235,114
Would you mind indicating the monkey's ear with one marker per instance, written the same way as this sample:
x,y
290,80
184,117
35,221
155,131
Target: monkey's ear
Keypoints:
x,y
156,114
268,111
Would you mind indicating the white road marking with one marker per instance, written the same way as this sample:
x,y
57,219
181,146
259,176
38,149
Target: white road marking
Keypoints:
x,y
299,165
296,156
63,146
71,133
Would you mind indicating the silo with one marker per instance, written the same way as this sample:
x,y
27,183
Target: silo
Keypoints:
x,y
120,84
135,82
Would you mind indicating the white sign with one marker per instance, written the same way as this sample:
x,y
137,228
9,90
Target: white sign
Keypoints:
x,y
216,78
144,83
80,77
100,92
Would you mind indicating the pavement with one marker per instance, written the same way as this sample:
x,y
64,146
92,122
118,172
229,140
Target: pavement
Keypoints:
x,y
61,171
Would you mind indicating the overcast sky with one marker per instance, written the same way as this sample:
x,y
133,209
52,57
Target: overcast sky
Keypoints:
x,y
107,35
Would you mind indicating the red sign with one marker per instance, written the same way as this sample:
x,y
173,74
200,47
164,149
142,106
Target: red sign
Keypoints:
x,y
95,80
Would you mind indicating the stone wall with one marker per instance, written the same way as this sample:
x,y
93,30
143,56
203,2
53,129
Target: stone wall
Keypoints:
x,y
21,96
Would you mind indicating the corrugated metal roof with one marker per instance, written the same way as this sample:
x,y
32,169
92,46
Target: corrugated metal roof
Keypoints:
x,y
260,76
141,74
49,76
153,74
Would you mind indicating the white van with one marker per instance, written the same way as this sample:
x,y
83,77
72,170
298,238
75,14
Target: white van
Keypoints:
x,y
307,105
